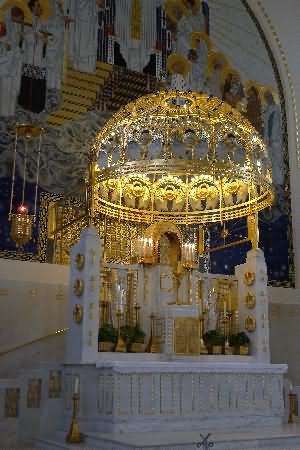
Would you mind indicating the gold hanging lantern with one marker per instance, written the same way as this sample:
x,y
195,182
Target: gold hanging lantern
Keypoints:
x,y
21,221
21,226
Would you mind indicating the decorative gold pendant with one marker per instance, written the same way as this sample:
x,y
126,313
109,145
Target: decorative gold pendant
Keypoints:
x,y
250,300
77,313
250,323
78,287
249,278
79,261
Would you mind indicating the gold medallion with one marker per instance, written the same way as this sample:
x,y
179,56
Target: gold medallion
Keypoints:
x,y
249,278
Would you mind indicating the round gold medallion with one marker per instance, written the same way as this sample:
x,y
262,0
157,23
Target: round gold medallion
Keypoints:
x,y
250,323
77,313
78,287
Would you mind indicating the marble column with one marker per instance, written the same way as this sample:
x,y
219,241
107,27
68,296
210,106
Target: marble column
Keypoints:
x,y
83,312
253,303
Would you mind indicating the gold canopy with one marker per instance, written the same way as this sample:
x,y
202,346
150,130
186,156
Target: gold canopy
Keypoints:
x,y
182,157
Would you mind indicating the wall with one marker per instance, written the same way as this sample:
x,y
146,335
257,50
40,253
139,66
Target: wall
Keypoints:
x,y
33,299
280,22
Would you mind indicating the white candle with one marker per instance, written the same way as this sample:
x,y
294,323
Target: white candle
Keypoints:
x,y
76,385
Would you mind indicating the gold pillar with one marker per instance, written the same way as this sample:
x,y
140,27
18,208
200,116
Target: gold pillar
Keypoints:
x,y
91,190
201,241
253,231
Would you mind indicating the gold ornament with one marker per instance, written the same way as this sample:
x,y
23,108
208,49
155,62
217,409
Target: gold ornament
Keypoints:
x,y
250,323
77,313
78,287
250,300
79,261
184,189
249,278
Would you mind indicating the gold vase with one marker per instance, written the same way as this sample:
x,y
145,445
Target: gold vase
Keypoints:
x,y
243,350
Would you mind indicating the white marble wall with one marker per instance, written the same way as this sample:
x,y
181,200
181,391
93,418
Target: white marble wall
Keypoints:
x,y
33,301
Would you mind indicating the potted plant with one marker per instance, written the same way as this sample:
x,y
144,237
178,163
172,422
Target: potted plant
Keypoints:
x,y
240,342
214,340
107,338
127,333
134,338
137,344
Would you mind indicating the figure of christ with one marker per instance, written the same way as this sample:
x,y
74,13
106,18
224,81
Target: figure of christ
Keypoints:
x,y
11,43
136,50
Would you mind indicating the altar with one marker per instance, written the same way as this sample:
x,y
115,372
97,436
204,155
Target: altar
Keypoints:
x,y
155,343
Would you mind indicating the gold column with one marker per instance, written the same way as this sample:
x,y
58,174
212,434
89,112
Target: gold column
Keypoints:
x,y
201,241
91,189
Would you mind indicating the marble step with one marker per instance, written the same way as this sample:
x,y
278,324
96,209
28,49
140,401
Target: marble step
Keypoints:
x,y
286,437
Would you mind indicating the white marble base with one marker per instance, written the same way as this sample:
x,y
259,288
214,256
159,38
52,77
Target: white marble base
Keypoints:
x,y
285,437
143,395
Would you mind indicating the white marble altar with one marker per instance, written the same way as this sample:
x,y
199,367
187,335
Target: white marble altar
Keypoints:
x,y
143,395
171,390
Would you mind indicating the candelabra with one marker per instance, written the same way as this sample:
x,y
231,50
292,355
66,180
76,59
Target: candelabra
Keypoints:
x,y
74,436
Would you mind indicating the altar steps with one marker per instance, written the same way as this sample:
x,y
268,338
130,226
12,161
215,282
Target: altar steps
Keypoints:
x,y
286,437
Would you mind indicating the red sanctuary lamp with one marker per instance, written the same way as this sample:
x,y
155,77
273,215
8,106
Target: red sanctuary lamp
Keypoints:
x,y
22,221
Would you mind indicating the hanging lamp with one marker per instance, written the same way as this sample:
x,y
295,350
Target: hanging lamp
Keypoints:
x,y
22,220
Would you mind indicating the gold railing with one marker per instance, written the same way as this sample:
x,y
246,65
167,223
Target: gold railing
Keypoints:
x,y
34,341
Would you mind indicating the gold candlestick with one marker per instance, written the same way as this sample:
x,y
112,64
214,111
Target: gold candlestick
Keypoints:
x,y
74,436
292,407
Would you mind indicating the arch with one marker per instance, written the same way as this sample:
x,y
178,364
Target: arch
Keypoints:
x,y
157,229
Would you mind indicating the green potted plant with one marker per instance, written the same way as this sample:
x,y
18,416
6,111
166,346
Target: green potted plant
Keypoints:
x,y
107,338
240,342
214,341
134,338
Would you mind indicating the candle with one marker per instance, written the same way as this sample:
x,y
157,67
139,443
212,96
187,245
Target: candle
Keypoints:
x,y
76,385
229,301
224,307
